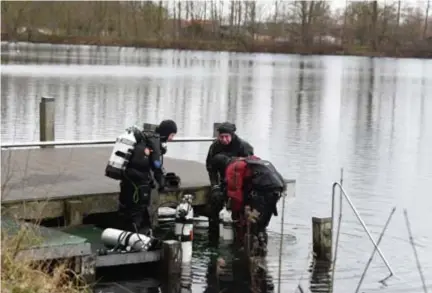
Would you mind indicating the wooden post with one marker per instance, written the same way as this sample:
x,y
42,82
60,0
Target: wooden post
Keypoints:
x,y
73,213
322,238
215,127
88,269
171,264
47,120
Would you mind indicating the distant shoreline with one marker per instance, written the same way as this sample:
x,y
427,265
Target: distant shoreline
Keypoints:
x,y
227,46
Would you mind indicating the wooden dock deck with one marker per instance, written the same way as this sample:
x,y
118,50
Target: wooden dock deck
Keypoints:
x,y
54,182
46,178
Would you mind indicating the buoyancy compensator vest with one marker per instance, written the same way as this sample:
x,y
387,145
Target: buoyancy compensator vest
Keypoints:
x,y
122,152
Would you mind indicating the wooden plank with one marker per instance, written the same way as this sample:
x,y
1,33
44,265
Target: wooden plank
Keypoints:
x,y
127,258
91,204
49,237
49,243
55,252
103,203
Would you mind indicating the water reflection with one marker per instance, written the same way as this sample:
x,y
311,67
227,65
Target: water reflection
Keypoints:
x,y
309,115
320,277
237,275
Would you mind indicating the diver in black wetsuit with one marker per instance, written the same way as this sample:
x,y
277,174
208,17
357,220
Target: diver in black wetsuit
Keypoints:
x,y
228,143
231,145
136,186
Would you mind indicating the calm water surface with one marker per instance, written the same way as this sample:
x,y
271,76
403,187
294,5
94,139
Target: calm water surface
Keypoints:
x,y
310,115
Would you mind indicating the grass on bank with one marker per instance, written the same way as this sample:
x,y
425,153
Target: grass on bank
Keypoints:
x,y
20,275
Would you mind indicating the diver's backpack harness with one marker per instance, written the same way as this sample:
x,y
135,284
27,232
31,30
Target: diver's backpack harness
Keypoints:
x,y
261,176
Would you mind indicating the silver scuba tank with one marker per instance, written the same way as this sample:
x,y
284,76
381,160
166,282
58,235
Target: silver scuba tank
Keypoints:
x,y
184,218
121,152
226,231
113,237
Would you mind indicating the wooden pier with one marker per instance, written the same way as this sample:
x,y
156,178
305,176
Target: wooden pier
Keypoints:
x,y
69,182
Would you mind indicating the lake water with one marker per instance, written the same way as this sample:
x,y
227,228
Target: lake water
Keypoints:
x,y
309,115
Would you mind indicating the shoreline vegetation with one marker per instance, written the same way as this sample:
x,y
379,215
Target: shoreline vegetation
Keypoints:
x,y
21,275
231,46
369,28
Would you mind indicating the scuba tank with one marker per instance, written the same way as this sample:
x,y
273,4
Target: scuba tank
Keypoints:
x,y
184,217
127,240
122,151
226,225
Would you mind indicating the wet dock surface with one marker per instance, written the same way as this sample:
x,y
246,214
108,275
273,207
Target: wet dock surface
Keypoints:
x,y
56,173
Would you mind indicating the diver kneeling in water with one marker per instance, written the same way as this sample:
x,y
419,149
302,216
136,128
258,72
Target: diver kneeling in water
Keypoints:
x,y
254,183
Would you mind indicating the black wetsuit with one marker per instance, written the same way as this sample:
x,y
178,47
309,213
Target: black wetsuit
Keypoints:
x,y
237,148
135,188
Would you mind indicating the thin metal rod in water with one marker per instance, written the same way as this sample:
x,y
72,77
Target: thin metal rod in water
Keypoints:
x,y
281,243
337,236
415,251
373,252
360,220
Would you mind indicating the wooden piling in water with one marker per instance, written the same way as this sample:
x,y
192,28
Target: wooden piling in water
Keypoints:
x,y
322,238
47,120
171,259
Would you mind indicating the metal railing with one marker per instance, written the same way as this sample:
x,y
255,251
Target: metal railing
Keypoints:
x,y
90,142
344,194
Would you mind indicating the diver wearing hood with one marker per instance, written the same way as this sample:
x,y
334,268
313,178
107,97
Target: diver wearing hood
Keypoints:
x,y
228,143
166,130
136,186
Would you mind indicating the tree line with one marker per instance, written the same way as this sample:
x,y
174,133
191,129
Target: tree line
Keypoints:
x,y
359,27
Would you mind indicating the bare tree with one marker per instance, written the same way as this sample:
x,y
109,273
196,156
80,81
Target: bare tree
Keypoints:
x,y
425,26
359,26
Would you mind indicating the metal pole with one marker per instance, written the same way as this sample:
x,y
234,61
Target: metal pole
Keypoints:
x,y
415,251
373,252
281,243
91,142
338,232
360,220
